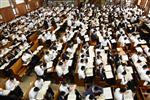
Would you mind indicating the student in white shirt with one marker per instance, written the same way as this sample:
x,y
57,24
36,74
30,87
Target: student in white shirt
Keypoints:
x,y
39,82
13,85
31,25
59,69
81,72
26,57
64,87
147,51
47,57
41,38
53,37
23,37
105,43
40,69
120,93
33,93
48,39
121,68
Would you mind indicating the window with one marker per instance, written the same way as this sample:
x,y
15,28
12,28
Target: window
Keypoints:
x,y
4,3
19,1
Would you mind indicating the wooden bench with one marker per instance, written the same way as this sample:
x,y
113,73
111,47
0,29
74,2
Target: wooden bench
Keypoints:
x,y
18,69
33,37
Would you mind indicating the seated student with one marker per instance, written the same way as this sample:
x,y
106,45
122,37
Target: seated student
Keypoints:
x,y
92,90
47,57
13,85
122,39
39,70
98,60
53,37
121,93
81,72
23,38
39,82
121,68
64,87
145,77
73,93
65,67
31,25
121,76
4,41
41,39
33,93
48,38
105,43
26,57
142,69
59,69
100,70
147,51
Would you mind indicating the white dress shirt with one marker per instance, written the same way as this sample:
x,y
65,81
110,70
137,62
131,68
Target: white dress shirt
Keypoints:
x,y
81,74
39,71
32,94
59,70
38,83
23,38
123,78
117,94
26,57
64,88
53,37
146,49
47,58
128,95
11,85
31,25
120,69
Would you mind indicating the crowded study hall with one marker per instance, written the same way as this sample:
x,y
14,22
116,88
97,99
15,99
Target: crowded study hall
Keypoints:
x,y
74,49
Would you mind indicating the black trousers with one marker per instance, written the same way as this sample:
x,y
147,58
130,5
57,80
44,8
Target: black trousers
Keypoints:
x,y
17,92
